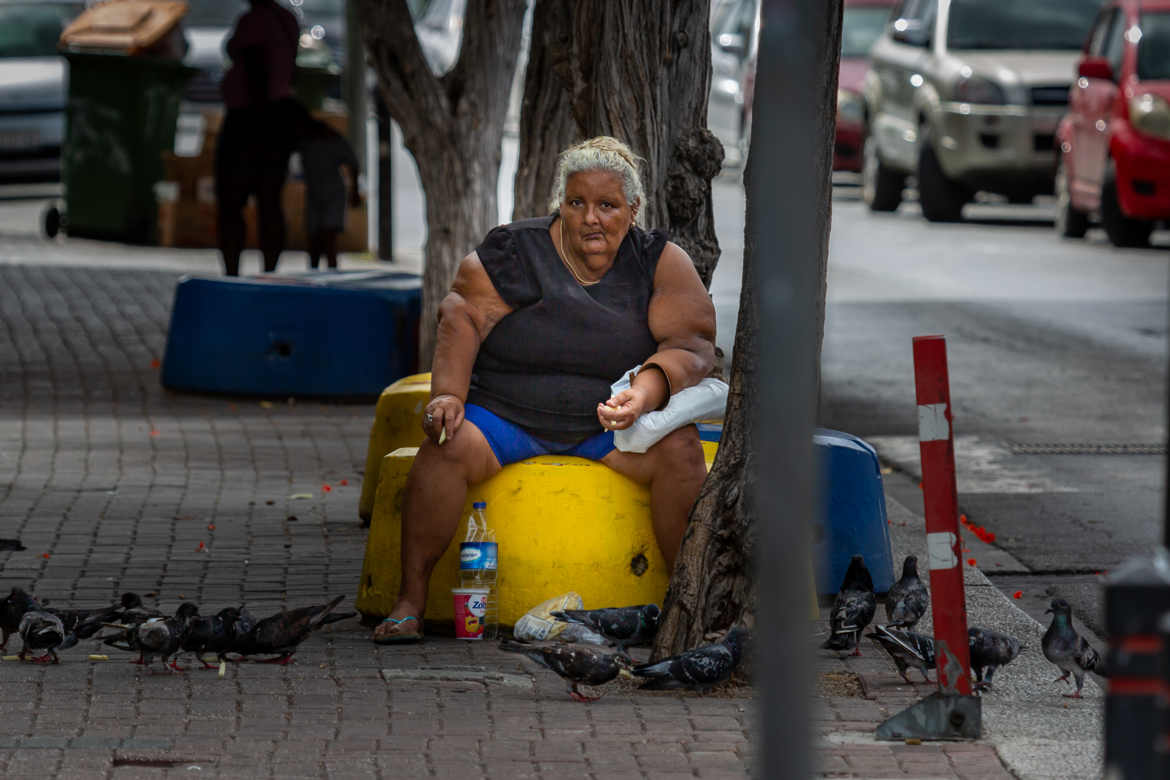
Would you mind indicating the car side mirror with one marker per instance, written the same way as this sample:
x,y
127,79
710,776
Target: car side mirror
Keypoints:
x,y
911,32
1095,68
732,43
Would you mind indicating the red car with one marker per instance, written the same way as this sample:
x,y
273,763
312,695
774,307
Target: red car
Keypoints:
x,y
863,22
1115,140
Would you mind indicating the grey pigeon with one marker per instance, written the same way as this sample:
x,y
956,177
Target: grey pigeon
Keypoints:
x,y
163,636
624,626
41,630
12,609
699,669
1063,646
577,664
989,651
279,634
907,600
907,648
852,609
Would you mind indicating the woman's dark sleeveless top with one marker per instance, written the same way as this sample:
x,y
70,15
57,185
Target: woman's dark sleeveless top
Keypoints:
x,y
547,364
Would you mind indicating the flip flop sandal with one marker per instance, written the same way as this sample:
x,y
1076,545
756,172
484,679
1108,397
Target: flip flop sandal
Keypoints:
x,y
399,637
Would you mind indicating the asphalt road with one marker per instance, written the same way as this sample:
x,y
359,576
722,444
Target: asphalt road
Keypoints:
x,y
1054,347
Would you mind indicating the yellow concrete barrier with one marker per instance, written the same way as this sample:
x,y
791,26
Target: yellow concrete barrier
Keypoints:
x,y
397,423
562,524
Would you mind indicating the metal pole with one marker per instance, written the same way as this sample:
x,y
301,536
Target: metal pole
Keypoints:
x,y
385,182
784,242
354,80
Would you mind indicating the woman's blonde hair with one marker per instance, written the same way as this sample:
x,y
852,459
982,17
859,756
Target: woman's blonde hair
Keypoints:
x,y
603,153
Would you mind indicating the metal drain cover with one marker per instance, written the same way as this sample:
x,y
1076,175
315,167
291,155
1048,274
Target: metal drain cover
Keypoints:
x,y
1107,448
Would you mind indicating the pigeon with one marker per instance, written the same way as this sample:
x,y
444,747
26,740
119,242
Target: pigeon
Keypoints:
x,y
41,630
907,648
853,608
989,651
280,634
12,609
577,664
1063,646
624,626
132,614
907,599
214,634
699,669
163,636
84,623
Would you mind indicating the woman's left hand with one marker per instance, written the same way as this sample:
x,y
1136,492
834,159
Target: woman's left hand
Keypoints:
x,y
620,412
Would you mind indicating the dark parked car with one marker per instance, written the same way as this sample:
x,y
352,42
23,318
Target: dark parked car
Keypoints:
x,y
32,88
1115,140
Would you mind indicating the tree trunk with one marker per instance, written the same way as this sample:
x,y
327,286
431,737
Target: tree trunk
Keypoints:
x,y
639,72
712,586
452,124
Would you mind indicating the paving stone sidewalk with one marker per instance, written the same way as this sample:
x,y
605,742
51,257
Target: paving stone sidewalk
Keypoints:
x,y
112,483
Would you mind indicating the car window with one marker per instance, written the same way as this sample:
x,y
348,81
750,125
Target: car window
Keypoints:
x,y
1011,24
1115,45
1100,33
861,26
33,29
1154,47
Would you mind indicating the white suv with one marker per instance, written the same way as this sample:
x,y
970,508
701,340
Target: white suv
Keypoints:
x,y
965,95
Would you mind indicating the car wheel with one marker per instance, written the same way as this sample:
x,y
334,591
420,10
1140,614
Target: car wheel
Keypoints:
x,y
1122,231
881,188
940,198
1070,222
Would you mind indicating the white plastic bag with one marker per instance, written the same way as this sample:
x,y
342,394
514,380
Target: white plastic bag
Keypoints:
x,y
704,401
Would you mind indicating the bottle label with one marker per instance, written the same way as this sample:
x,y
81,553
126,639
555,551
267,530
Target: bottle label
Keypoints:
x,y
478,555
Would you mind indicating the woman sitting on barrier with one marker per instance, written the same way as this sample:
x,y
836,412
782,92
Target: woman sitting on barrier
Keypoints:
x,y
542,317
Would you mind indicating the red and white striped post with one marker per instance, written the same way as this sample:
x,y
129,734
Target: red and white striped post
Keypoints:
x,y
944,546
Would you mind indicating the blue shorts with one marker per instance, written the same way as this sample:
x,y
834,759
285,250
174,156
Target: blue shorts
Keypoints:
x,y
511,443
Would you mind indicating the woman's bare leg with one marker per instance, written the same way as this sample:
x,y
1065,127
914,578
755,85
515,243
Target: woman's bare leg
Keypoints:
x,y
436,490
674,469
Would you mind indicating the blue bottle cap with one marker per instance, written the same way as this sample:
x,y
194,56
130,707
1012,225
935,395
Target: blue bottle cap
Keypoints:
x,y
479,505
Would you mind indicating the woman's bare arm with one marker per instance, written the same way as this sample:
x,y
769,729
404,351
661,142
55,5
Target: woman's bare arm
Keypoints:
x,y
682,320
466,316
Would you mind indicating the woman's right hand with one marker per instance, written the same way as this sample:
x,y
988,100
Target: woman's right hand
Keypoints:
x,y
443,412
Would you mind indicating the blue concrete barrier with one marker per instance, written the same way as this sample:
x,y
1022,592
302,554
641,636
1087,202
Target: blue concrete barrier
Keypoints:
x,y
316,333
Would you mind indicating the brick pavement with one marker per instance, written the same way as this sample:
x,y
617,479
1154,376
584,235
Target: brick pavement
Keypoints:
x,y
113,484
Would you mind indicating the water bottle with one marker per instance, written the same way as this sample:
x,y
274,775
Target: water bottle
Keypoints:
x,y
479,565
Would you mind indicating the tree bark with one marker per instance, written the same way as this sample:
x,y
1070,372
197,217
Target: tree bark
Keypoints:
x,y
639,72
453,126
713,586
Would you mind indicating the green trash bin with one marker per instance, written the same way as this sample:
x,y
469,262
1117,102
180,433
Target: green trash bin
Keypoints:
x,y
120,117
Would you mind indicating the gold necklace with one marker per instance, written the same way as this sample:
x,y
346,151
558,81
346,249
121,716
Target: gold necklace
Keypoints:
x,y
564,259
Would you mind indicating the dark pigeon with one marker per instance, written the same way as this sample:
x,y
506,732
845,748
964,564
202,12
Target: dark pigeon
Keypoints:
x,y
577,664
12,609
907,600
125,621
699,669
1063,646
907,648
84,623
624,626
989,651
213,634
280,634
852,609
41,630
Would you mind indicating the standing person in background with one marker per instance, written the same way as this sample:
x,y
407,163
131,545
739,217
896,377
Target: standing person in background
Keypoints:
x,y
258,131
324,152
